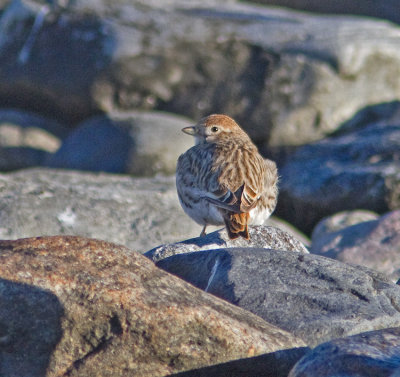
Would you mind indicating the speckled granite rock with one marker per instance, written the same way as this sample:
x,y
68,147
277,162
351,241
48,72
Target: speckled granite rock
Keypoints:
x,y
260,236
73,306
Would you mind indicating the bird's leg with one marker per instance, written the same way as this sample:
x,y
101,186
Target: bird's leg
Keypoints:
x,y
203,232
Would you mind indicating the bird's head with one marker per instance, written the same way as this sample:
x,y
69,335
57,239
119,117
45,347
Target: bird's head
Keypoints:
x,y
214,128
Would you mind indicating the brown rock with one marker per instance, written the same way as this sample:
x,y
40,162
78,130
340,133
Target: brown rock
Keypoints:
x,y
92,308
268,365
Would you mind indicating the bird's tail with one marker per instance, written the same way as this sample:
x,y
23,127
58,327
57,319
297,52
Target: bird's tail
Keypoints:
x,y
236,225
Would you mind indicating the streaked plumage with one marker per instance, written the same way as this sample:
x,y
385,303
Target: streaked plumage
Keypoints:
x,y
223,179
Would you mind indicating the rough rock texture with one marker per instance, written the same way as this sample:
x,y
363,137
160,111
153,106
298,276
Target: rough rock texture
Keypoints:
x,y
138,213
388,9
313,297
287,227
274,364
374,243
370,354
341,220
139,143
82,307
287,77
26,139
261,236
357,170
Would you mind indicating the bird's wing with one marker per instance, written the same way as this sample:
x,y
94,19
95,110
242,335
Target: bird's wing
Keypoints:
x,y
228,200
241,180
242,200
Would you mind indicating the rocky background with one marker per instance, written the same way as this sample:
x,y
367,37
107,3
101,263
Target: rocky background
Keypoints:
x,y
93,95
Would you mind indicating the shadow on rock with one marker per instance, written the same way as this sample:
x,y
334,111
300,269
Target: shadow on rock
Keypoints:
x,y
30,328
387,112
267,365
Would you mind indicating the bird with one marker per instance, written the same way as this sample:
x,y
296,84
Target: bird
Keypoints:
x,y
223,179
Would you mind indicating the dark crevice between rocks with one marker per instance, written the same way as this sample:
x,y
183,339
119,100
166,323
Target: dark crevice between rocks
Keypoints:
x,y
274,364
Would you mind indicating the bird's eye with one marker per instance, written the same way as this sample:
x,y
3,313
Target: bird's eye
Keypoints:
x,y
214,129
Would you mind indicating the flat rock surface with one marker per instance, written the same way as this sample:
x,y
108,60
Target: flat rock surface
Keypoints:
x,y
313,297
260,237
136,212
374,353
83,307
374,244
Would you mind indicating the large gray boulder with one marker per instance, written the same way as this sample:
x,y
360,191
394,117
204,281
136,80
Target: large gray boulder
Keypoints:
x,y
313,297
374,353
74,306
138,143
340,221
374,244
287,77
136,212
357,170
26,139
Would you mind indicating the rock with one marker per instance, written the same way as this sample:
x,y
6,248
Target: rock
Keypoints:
x,y
26,139
260,237
374,244
374,353
136,212
382,114
387,9
312,297
274,364
30,326
139,143
297,85
358,170
287,227
99,309
340,221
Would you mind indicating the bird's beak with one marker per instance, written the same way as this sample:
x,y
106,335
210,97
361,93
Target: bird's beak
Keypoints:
x,y
190,130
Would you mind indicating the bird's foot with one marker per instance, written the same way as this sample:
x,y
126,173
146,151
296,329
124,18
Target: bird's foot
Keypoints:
x,y
203,232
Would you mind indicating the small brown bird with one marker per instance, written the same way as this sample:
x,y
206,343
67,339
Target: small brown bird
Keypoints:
x,y
223,179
